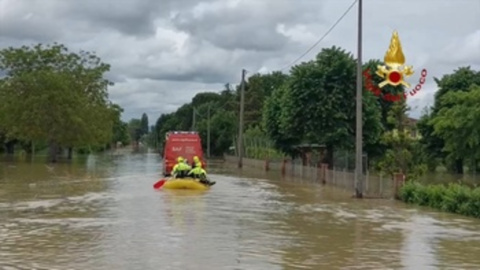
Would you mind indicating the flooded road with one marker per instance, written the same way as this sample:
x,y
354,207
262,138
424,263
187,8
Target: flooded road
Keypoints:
x,y
102,213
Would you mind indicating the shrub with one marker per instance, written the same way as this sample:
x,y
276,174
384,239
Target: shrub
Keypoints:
x,y
454,198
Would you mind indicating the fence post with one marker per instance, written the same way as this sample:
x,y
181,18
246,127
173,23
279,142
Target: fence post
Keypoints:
x,y
398,182
267,164
292,167
323,172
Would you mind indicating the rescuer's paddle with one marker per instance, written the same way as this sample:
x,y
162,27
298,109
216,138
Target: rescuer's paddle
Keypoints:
x,y
159,184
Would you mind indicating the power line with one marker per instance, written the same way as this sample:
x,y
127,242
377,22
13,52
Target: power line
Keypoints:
x,y
325,35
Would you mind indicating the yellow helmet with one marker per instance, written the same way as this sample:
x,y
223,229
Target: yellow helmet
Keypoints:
x,y
196,159
180,159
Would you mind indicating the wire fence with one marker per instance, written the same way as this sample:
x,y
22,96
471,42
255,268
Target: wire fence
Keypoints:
x,y
258,148
375,186
259,151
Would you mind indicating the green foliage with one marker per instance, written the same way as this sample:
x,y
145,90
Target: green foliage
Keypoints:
x,y
402,154
461,80
272,121
120,128
222,130
223,120
322,94
144,124
258,146
258,88
458,123
135,129
454,198
430,145
52,95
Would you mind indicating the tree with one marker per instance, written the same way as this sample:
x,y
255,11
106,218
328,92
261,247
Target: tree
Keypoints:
x,y
222,131
144,124
120,128
258,88
135,130
458,124
53,95
459,81
322,94
272,124
403,154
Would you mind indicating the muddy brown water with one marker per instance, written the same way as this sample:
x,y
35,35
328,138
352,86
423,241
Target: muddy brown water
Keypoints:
x,y
102,213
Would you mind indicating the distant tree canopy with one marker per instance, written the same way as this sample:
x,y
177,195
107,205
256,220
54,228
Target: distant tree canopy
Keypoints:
x,y
55,96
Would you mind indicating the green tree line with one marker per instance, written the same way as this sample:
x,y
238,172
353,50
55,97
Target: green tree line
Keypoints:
x,y
315,104
52,97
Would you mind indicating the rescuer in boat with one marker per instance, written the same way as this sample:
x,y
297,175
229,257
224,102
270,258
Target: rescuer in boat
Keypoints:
x,y
199,173
181,169
197,162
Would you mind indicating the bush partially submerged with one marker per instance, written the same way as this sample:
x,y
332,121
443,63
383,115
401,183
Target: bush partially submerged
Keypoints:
x,y
454,198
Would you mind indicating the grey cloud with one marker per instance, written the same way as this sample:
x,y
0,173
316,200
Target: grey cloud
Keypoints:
x,y
155,98
462,51
236,35
196,75
128,17
205,64
248,25
28,21
115,78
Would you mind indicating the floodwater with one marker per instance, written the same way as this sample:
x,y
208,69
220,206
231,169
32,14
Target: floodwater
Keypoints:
x,y
102,213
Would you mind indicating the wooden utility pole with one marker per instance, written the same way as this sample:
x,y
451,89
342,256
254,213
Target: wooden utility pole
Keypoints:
x,y
208,131
359,122
240,125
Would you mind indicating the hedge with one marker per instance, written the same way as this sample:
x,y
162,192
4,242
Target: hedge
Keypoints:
x,y
453,198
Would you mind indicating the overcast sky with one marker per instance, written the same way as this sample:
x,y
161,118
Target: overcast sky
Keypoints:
x,y
163,52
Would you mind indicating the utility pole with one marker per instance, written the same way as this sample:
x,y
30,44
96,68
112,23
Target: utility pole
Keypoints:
x,y
194,117
359,122
208,131
240,125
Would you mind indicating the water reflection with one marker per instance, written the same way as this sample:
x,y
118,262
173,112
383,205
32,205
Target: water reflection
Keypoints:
x,y
184,209
418,250
46,208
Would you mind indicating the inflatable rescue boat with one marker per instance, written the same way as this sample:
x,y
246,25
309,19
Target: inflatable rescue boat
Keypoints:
x,y
185,183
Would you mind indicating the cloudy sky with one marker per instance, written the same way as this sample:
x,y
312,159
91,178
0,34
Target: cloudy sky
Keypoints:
x,y
163,52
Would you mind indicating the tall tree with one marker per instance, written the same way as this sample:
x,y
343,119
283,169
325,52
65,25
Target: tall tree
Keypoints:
x,y
458,124
51,94
120,128
459,81
135,129
322,94
272,121
144,124
258,88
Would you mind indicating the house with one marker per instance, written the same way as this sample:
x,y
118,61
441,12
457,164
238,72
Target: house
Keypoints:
x,y
411,124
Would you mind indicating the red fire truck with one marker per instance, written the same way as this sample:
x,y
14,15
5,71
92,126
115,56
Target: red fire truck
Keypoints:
x,y
186,144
